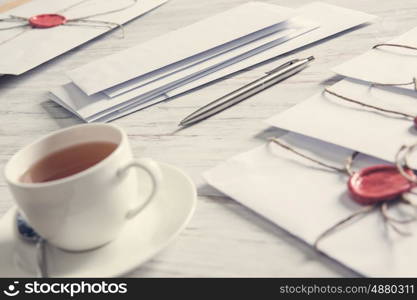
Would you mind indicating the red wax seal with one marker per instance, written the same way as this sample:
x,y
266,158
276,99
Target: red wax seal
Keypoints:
x,y
378,183
47,20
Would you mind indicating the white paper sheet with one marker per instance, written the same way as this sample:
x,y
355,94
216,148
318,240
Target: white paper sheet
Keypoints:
x,y
36,46
350,125
306,199
177,47
385,64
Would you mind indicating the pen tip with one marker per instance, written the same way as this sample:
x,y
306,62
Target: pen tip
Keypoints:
x,y
310,58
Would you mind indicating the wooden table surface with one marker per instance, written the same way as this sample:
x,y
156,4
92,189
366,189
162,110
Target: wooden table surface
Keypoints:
x,y
223,238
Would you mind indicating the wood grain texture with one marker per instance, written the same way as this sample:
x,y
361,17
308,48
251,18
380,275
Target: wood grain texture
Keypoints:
x,y
11,4
223,238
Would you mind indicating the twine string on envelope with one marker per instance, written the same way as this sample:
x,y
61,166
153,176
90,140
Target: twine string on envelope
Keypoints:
x,y
96,23
401,163
340,96
13,18
338,169
394,45
361,212
86,19
414,79
25,28
413,82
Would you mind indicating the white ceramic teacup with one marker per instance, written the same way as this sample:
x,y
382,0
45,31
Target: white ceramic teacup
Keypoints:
x,y
88,209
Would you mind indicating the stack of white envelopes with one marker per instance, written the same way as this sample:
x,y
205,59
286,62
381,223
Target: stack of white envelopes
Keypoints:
x,y
306,198
196,55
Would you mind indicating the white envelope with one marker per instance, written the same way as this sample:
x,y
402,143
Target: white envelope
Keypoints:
x,y
306,199
228,50
385,64
328,118
176,48
36,46
94,107
332,19
90,108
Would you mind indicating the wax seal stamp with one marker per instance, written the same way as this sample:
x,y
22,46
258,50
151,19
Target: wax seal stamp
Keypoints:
x,y
378,184
47,20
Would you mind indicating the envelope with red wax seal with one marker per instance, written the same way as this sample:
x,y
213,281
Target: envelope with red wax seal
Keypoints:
x,y
307,199
37,31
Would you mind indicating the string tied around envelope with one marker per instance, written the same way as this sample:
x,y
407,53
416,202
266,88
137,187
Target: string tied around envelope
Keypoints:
x,y
375,187
414,79
378,108
49,20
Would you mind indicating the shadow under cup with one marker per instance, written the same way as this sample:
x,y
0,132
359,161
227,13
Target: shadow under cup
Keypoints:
x,y
84,210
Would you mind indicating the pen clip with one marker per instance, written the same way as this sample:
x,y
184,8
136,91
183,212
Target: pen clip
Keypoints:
x,y
288,63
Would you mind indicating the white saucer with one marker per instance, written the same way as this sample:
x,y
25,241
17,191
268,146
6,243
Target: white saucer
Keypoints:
x,y
142,237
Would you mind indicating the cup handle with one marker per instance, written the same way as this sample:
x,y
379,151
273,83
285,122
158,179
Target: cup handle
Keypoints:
x,y
154,172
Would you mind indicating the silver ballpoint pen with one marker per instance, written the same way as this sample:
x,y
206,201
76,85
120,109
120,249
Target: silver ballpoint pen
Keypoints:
x,y
272,77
